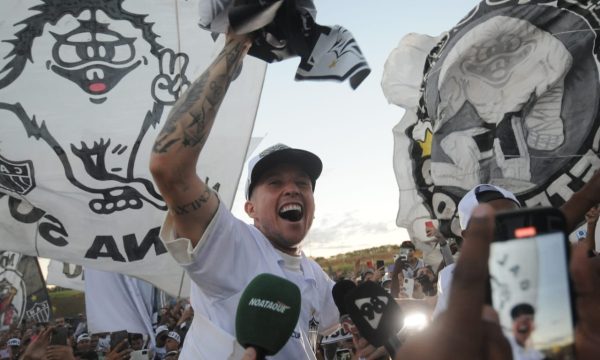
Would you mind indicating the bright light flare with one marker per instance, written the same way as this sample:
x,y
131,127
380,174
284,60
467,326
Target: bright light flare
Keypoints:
x,y
415,321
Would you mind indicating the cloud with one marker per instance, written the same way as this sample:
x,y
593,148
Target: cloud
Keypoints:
x,y
330,233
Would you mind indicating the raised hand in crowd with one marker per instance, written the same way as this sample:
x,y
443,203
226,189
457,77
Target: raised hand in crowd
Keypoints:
x,y
591,218
59,352
585,273
36,350
120,352
460,332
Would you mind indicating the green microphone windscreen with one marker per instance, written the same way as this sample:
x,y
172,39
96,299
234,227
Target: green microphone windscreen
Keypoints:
x,y
267,313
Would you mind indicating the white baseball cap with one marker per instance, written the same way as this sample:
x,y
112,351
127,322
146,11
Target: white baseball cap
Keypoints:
x,y
13,342
280,154
175,336
84,336
160,329
481,193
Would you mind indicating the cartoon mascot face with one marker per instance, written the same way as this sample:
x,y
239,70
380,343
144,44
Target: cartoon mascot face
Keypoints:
x,y
97,69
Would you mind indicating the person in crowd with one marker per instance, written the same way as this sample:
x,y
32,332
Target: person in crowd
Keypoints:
x,y
398,287
410,262
81,325
425,283
162,332
14,345
222,254
523,325
84,343
367,275
173,341
483,340
136,341
498,198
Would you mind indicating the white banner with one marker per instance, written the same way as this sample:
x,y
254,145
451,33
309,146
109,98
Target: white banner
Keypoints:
x,y
85,87
509,96
116,302
69,276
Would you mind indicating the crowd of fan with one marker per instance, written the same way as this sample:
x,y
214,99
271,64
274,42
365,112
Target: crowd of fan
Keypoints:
x,y
408,280
41,341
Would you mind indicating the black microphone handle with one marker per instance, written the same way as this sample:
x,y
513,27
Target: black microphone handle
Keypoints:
x,y
392,345
260,353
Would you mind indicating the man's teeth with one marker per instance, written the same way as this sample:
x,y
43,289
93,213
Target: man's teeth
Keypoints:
x,y
291,212
291,207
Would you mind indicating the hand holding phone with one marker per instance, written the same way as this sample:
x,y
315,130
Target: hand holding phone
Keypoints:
x,y
530,287
117,337
59,336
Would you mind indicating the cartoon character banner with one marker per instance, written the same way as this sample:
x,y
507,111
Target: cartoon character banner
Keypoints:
x,y
23,294
509,96
85,87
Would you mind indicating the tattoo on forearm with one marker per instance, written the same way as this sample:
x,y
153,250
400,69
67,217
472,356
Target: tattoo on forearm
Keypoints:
x,y
194,205
201,102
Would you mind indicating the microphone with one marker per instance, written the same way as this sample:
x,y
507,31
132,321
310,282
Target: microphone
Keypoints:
x,y
339,292
267,314
376,315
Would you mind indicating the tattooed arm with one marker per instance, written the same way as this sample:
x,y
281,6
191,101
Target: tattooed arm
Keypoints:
x,y
177,148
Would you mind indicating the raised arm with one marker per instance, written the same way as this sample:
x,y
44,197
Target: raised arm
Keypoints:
x,y
191,202
582,201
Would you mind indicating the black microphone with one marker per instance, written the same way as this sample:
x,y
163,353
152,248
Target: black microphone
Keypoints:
x,y
376,315
339,292
267,314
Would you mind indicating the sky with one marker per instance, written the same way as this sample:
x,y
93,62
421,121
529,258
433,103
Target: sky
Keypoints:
x,y
350,130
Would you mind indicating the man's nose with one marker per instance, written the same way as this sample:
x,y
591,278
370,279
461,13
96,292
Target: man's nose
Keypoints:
x,y
291,188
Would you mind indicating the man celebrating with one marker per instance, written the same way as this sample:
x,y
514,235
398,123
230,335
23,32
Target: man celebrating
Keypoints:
x,y
522,327
221,253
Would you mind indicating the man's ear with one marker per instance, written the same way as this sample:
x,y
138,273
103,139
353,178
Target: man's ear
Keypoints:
x,y
249,208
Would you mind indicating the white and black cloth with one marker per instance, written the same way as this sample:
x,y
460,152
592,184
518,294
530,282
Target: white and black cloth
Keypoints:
x,y
285,29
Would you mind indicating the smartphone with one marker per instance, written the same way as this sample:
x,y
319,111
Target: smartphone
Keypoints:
x,y
343,354
59,336
140,355
117,337
530,286
428,224
408,286
370,264
380,265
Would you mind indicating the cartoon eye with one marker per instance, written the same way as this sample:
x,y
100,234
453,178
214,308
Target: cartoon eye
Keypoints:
x,y
68,53
122,53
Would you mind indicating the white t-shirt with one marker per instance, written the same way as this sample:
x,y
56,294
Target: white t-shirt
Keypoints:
x,y
227,257
521,353
443,289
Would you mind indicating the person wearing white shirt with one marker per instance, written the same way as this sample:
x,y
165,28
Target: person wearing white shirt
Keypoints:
x,y
522,327
222,254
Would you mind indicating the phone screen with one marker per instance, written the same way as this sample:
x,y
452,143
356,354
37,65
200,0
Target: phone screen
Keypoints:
x,y
409,286
531,293
117,337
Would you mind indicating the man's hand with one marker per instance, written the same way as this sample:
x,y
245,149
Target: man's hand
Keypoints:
x,y
591,217
586,278
366,351
36,350
477,339
119,352
59,352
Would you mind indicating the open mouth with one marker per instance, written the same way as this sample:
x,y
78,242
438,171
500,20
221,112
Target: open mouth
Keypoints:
x,y
291,212
523,329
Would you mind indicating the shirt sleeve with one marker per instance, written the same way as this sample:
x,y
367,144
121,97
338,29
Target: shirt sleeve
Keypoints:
x,y
221,260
